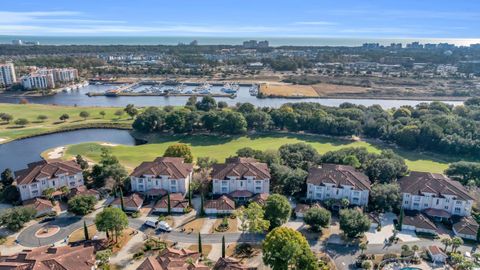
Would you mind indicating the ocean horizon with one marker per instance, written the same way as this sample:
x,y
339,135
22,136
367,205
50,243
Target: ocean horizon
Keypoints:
x,y
202,40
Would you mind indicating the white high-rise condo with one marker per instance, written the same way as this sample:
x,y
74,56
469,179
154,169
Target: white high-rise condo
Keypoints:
x,y
7,74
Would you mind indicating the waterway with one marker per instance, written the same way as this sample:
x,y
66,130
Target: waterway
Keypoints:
x,y
17,154
79,98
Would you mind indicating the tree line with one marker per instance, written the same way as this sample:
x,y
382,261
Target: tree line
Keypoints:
x,y
436,126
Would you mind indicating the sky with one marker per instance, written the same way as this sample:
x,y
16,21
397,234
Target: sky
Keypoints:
x,y
238,18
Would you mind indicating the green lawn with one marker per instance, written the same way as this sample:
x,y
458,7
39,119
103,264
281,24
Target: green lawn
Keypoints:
x,y
10,131
220,147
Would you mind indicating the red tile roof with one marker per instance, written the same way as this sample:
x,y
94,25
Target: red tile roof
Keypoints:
x,y
467,226
260,198
167,166
339,175
39,204
132,201
156,192
435,250
228,263
173,259
48,258
438,184
176,201
82,190
222,203
437,213
241,194
418,220
46,169
241,168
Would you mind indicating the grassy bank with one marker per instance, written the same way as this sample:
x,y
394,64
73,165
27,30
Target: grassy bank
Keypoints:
x,y
11,131
219,147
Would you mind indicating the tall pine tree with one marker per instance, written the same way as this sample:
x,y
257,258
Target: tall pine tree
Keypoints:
x,y
223,246
202,211
169,209
85,231
189,194
121,200
200,249
400,219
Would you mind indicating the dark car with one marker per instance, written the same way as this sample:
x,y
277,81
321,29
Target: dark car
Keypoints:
x,y
47,219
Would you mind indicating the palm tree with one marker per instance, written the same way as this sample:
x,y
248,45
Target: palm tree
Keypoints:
x,y
405,248
456,242
447,242
363,247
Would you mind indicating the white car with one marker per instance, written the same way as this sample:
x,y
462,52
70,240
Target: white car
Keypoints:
x,y
151,223
163,226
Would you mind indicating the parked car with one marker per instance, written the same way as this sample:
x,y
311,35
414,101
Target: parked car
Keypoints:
x,y
151,223
47,219
163,226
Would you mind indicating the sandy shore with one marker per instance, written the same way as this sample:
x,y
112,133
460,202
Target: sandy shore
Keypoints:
x,y
109,144
56,153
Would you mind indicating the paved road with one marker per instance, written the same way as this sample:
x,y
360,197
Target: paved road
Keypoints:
x,y
69,224
343,255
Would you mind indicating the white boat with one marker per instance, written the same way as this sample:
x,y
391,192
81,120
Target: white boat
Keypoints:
x,y
230,88
205,91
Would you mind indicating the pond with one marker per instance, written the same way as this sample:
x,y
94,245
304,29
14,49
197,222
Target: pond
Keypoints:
x,y
17,154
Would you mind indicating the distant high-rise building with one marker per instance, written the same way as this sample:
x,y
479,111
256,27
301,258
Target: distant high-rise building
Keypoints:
x,y
38,81
194,43
7,74
415,45
371,45
262,44
61,74
253,44
250,44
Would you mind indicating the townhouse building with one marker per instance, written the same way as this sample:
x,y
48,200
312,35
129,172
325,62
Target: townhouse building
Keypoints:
x,y
333,181
161,176
42,175
241,178
435,194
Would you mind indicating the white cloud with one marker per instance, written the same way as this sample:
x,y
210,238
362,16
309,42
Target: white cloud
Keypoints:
x,y
315,23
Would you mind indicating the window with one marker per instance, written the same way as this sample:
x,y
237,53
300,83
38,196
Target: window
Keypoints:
x,y
425,204
258,182
438,201
446,207
72,183
140,187
43,182
224,190
34,186
406,202
258,189
457,209
53,183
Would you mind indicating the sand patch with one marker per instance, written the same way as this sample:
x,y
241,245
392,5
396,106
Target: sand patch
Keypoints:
x,y
2,140
56,153
287,90
109,144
